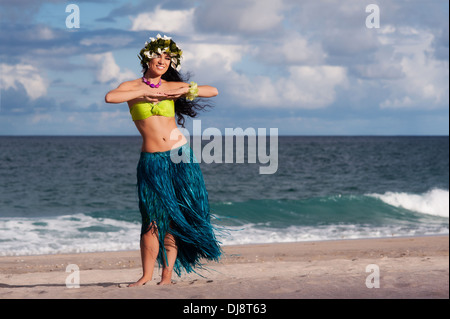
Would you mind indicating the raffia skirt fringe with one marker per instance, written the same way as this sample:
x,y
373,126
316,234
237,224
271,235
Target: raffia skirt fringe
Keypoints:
x,y
173,197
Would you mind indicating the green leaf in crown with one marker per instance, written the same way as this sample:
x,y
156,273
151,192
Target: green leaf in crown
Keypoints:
x,y
159,45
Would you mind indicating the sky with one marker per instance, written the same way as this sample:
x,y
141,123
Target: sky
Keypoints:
x,y
304,67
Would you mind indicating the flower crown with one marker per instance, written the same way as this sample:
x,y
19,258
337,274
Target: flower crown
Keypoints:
x,y
158,46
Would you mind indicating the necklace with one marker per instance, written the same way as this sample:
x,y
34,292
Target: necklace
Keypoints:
x,y
150,84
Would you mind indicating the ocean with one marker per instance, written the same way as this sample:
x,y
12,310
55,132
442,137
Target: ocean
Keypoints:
x,y
78,194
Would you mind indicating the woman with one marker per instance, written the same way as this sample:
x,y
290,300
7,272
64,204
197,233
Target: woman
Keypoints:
x,y
173,200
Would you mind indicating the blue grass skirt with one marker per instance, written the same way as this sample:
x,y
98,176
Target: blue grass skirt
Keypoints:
x,y
173,197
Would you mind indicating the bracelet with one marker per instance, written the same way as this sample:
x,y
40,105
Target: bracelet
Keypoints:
x,y
193,91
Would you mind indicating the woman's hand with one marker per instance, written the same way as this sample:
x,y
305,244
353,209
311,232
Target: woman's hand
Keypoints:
x,y
182,91
153,97
177,93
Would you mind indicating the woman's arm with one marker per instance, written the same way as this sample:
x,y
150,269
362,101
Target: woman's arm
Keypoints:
x,y
207,91
183,89
128,91
123,93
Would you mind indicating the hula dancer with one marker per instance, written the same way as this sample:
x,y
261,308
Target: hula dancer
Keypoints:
x,y
173,201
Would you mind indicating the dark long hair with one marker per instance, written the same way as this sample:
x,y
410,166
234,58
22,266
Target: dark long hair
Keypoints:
x,y
182,106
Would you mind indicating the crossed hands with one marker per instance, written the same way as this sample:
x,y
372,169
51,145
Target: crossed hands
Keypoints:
x,y
172,94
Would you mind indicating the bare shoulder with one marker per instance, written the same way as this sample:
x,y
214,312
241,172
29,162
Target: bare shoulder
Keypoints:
x,y
129,84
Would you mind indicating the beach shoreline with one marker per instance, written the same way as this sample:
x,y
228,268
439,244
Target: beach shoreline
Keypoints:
x,y
404,267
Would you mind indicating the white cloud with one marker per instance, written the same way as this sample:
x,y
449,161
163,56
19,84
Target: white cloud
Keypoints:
x,y
297,49
425,81
405,101
384,64
44,33
306,87
258,15
25,74
107,70
177,21
388,28
217,57
313,87
37,118
290,48
243,16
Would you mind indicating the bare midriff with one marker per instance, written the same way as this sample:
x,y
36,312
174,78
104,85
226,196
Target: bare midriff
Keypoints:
x,y
159,134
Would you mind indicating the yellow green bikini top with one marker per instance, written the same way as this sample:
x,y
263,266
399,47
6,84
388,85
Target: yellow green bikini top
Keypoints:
x,y
143,110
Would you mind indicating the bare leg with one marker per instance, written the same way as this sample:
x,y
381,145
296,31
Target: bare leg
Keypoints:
x,y
172,251
149,253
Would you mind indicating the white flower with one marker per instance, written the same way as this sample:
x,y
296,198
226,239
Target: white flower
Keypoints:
x,y
166,37
152,39
150,56
158,36
193,86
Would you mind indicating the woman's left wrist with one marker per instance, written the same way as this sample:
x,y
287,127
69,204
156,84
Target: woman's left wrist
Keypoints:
x,y
192,91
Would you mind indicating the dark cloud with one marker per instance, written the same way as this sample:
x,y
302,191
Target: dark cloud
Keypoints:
x,y
15,101
415,13
122,11
19,12
240,17
441,44
35,43
22,12
131,9
340,25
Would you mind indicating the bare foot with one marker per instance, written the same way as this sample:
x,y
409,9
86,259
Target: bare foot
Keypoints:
x,y
140,282
165,282
166,277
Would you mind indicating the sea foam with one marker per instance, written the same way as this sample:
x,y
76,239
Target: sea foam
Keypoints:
x,y
77,233
434,202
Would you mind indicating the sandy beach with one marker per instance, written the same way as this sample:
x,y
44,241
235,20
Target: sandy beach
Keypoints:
x,y
409,267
